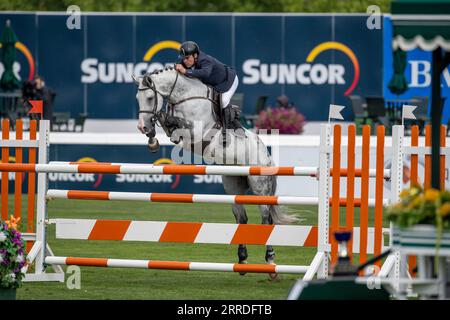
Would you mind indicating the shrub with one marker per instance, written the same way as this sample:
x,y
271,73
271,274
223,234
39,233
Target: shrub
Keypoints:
x,y
286,120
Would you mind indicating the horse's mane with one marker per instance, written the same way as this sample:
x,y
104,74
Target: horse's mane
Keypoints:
x,y
170,68
160,70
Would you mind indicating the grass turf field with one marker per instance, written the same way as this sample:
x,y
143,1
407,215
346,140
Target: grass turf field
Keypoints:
x,y
121,283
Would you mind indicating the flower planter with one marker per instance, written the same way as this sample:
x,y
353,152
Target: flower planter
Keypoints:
x,y
12,258
421,239
8,294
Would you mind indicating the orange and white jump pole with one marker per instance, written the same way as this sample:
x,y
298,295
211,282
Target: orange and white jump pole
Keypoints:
x,y
175,265
194,198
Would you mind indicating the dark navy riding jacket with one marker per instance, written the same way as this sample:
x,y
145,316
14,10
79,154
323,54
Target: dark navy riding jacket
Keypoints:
x,y
211,72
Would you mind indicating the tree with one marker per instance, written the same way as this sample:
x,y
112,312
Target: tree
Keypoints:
x,y
285,6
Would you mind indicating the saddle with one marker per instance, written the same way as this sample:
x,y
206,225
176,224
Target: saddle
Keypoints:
x,y
170,122
218,110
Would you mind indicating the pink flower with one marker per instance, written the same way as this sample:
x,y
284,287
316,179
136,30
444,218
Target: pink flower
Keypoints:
x,y
287,121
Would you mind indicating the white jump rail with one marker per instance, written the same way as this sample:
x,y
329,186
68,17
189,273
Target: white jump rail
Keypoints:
x,y
192,198
176,265
142,168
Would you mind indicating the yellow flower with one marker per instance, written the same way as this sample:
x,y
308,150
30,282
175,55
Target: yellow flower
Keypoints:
x,y
398,206
431,195
445,209
13,222
415,203
404,193
415,190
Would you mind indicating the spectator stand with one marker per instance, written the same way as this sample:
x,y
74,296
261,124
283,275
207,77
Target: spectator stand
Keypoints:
x,y
63,122
375,110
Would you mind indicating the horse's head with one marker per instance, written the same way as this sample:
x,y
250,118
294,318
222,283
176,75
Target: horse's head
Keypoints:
x,y
150,102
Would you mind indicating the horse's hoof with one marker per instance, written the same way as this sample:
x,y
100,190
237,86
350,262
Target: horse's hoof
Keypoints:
x,y
240,133
243,262
272,276
153,145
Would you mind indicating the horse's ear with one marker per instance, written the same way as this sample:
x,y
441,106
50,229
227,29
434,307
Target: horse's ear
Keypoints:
x,y
135,79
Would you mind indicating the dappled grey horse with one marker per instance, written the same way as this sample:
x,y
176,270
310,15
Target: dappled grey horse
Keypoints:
x,y
188,119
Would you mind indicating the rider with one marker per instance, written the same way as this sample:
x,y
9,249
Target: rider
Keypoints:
x,y
212,72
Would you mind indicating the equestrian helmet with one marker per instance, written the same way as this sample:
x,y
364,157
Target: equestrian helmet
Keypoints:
x,y
188,48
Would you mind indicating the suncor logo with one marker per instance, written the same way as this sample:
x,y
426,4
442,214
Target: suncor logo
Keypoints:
x,y
94,70
307,73
174,180
95,179
254,71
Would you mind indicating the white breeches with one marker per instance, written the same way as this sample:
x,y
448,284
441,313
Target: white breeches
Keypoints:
x,y
226,96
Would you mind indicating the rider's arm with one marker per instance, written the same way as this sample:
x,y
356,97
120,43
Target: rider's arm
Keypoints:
x,y
182,63
203,73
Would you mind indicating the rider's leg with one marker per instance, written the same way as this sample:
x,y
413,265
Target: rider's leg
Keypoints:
x,y
230,115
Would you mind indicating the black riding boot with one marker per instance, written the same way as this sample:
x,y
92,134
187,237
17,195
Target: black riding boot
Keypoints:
x,y
230,117
230,120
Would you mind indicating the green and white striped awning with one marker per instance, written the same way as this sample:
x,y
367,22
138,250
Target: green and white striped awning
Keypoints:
x,y
423,24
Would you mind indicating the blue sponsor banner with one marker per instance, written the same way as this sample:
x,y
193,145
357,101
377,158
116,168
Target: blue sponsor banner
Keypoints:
x,y
59,56
314,59
210,184
417,73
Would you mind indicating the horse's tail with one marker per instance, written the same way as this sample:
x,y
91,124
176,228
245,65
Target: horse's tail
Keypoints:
x,y
279,216
279,213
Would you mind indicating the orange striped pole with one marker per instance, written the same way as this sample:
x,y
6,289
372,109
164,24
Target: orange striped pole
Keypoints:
x,y
191,198
378,221
177,169
336,191
5,159
364,212
175,265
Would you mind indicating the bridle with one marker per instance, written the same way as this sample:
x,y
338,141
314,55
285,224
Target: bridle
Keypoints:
x,y
149,84
158,115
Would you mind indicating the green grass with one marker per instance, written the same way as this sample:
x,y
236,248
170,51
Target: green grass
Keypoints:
x,y
121,283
